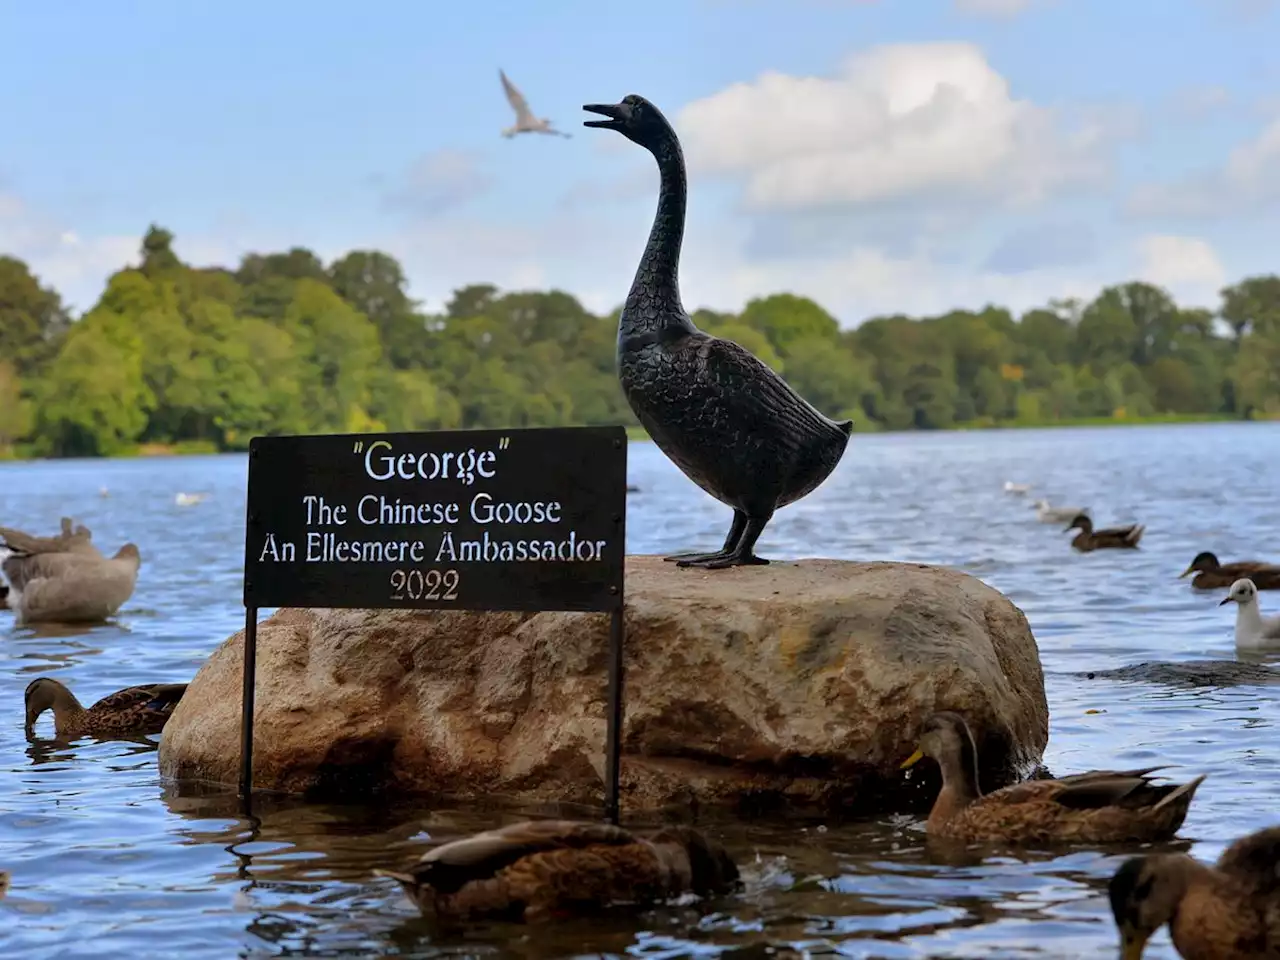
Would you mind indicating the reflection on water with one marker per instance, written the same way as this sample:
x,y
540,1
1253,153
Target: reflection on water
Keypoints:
x,y
109,861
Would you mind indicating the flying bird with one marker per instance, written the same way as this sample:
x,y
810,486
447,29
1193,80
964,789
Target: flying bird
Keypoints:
x,y
526,122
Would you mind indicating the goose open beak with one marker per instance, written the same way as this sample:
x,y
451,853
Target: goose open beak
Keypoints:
x,y
616,112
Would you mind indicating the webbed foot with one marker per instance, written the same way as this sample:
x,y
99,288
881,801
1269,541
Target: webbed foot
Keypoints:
x,y
724,561
683,559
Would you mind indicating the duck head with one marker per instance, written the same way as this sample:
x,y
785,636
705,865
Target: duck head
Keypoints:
x,y
1204,560
945,735
1144,895
634,117
1242,592
44,693
1080,522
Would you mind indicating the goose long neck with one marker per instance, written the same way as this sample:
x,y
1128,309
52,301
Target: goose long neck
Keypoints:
x,y
653,302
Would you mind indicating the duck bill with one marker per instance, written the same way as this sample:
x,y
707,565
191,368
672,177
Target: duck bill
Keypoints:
x,y
1187,572
912,760
1132,944
611,110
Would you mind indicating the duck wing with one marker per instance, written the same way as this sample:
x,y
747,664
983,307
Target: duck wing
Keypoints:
x,y
1254,861
155,696
1118,533
518,103
451,866
1127,789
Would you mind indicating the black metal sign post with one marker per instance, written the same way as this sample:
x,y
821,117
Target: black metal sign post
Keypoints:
x,y
455,520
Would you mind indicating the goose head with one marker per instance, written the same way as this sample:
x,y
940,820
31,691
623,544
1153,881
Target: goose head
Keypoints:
x,y
1242,592
634,117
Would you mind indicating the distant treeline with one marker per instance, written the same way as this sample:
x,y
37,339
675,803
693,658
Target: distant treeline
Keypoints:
x,y
176,356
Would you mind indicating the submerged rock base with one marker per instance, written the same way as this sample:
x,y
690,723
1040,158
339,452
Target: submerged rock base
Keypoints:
x,y
795,684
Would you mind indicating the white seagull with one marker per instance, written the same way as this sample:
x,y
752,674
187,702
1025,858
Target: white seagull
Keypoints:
x,y
1253,630
526,122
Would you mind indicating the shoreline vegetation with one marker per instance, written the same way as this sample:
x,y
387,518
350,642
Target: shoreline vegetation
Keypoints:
x,y
175,359
205,448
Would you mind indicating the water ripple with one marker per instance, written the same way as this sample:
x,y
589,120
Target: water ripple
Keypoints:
x,y
109,861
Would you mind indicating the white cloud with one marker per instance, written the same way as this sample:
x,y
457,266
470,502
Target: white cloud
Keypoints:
x,y
57,254
1249,181
897,123
1186,266
1200,102
439,181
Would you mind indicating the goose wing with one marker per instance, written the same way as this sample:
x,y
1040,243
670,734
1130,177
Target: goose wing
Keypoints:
x,y
70,540
516,99
750,391
22,569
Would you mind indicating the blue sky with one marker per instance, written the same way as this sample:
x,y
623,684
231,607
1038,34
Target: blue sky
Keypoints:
x,y
877,155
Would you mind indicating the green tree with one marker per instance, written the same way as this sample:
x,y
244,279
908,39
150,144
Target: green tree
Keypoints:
x,y
32,319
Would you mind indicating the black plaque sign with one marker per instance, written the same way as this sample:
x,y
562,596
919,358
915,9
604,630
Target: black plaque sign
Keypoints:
x,y
463,519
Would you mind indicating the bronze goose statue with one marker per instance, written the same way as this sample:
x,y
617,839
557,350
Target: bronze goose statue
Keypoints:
x,y
1089,539
736,428
1210,574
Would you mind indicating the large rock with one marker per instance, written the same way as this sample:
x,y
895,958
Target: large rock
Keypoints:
x,y
794,683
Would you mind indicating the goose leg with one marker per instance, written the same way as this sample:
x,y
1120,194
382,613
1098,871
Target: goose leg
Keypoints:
x,y
735,532
741,554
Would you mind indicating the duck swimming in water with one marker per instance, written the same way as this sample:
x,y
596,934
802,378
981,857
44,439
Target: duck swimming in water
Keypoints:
x,y
736,428
1212,574
1089,539
541,870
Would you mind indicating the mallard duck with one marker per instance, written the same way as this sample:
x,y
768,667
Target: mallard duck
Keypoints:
x,y
133,710
1114,537
1253,630
1265,576
1096,807
540,869
1229,911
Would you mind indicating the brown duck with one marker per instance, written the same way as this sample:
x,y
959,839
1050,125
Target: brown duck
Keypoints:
x,y
1110,537
1229,911
1212,575
1100,806
128,712
543,869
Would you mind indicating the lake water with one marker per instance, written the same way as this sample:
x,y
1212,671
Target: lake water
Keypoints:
x,y
109,861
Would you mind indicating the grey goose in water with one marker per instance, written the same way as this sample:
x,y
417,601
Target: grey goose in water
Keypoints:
x,y
65,579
